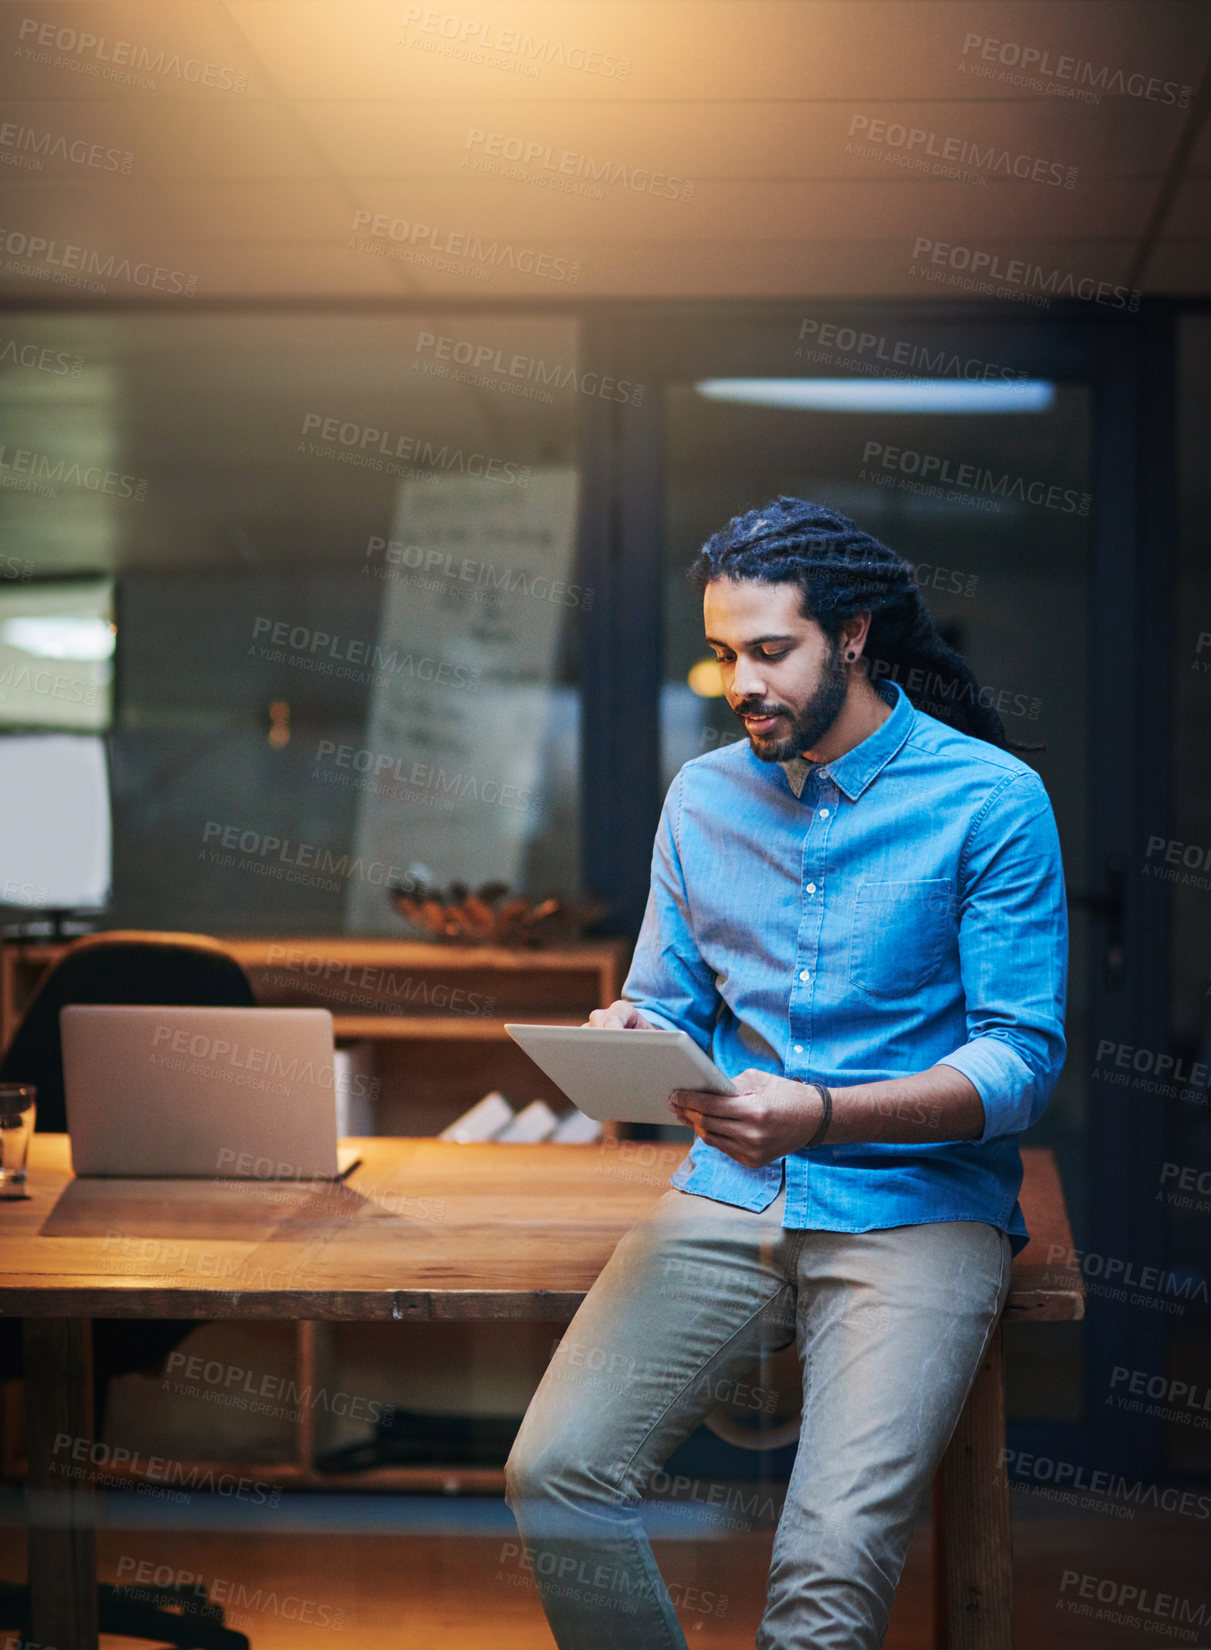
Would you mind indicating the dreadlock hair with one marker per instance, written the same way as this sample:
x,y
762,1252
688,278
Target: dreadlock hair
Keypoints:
x,y
842,571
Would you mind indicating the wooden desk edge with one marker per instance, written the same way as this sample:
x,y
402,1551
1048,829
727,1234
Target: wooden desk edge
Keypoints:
x,y
145,1300
1045,1306
102,1300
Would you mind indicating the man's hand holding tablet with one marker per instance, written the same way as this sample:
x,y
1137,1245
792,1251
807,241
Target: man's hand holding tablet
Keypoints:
x,y
765,1119
618,1078
623,1016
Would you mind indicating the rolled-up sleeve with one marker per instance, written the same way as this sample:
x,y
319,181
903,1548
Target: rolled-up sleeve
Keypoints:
x,y
1013,955
668,982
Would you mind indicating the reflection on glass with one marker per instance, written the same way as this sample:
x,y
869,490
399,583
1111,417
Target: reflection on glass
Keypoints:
x,y
346,597
57,639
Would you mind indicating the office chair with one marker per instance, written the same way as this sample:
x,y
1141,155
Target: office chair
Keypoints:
x,y
176,970
140,1613
123,966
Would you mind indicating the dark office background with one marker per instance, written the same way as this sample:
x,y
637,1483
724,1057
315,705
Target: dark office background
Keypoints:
x,y
1094,623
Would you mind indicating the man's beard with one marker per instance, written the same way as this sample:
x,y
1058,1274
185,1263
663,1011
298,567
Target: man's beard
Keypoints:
x,y
813,721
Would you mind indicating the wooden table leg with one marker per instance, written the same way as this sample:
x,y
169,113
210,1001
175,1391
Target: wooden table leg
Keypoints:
x,y
62,1538
972,1545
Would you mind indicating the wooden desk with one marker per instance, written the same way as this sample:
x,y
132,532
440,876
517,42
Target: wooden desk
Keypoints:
x,y
422,1230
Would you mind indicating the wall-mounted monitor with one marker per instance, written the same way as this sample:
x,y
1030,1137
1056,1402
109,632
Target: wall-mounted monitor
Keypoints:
x,y
55,830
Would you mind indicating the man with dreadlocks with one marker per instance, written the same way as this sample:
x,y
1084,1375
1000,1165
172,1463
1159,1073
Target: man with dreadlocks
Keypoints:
x,y
858,912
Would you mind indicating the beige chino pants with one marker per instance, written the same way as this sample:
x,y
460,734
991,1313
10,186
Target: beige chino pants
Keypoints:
x,y
890,1326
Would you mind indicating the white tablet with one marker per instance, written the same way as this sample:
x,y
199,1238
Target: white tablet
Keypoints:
x,y
620,1076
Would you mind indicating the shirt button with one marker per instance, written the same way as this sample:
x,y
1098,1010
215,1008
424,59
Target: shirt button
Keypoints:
x,y
823,813
804,974
811,887
798,1048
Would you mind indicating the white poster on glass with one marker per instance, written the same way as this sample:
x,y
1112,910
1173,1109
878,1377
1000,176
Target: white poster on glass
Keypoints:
x,y
477,585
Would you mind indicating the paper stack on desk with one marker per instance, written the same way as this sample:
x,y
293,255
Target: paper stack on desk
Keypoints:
x,y
537,1122
493,1118
483,1122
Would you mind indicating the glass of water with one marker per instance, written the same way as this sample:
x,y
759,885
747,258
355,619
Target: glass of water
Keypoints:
x,y
17,1111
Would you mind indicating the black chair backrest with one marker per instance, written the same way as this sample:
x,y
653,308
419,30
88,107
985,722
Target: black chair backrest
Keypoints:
x,y
176,972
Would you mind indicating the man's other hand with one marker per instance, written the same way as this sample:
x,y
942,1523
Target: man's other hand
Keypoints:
x,y
620,1016
770,1117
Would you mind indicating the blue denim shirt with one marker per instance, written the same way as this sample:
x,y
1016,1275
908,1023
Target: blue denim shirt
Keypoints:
x,y
898,907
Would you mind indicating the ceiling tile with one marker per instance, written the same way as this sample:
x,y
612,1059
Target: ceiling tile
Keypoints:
x,y
602,50
650,136
119,50
588,144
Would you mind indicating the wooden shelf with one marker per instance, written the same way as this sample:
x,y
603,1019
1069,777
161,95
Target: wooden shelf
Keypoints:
x,y
389,990
450,1027
436,1480
432,954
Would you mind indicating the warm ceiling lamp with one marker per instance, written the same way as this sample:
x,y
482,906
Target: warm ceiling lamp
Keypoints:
x,y
705,678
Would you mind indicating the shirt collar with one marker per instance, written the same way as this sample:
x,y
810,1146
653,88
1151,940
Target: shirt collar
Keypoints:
x,y
854,771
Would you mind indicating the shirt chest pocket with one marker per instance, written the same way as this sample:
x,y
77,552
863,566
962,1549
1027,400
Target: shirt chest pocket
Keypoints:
x,y
901,932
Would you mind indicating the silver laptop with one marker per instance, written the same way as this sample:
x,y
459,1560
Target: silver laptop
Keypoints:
x,y
239,1093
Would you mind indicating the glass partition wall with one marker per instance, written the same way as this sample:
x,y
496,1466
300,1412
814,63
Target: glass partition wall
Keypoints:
x,y
378,578
347,601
